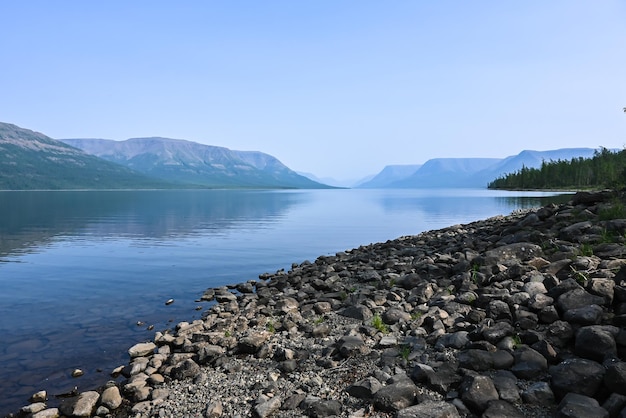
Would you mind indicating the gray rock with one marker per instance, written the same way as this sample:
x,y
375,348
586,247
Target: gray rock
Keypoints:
x,y
595,343
538,393
577,298
142,349
213,410
500,408
480,360
506,385
587,315
81,406
394,315
266,407
529,364
324,408
614,404
575,405
111,398
364,388
498,331
351,345
615,377
185,370
477,392
359,312
576,375
429,409
456,340
514,253
250,344
396,396
47,413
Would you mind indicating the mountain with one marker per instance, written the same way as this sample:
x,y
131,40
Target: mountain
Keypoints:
x,y
187,162
471,172
389,175
31,160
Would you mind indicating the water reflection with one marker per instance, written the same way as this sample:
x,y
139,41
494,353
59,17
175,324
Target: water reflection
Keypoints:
x,y
29,220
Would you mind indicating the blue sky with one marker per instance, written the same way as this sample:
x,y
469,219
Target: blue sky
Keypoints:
x,y
336,88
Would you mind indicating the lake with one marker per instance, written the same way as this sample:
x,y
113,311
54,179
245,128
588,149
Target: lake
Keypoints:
x,y
80,269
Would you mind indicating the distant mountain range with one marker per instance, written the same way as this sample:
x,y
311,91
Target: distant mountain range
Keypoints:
x,y
186,162
30,160
466,172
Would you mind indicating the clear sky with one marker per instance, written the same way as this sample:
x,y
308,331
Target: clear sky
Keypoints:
x,y
335,88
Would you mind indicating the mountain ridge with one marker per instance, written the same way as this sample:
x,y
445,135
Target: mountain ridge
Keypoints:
x,y
189,162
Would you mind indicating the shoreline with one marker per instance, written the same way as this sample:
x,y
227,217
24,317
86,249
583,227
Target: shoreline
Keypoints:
x,y
355,320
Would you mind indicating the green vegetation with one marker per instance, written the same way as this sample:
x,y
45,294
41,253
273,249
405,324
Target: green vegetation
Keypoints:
x,y
377,322
615,210
405,351
606,169
586,250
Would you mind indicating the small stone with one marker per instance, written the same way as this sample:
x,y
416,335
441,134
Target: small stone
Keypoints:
x,y
396,396
169,301
77,373
47,413
40,396
365,388
213,410
265,408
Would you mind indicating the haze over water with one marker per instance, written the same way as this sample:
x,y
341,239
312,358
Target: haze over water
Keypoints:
x,y
80,269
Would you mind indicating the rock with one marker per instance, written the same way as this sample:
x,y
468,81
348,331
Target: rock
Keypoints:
x,y
396,396
429,409
33,408
514,253
577,298
213,410
595,343
77,373
142,349
250,344
82,406
587,315
477,392
506,385
615,377
40,396
538,393
575,405
529,364
185,370
111,398
614,404
325,408
359,312
351,345
47,413
266,407
364,388
499,409
576,375
394,315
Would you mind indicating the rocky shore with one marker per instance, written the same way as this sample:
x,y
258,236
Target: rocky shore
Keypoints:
x,y
518,316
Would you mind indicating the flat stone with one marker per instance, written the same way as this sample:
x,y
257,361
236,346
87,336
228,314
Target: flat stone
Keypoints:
x,y
142,349
429,409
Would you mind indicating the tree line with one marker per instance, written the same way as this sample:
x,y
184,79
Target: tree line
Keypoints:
x,y
606,169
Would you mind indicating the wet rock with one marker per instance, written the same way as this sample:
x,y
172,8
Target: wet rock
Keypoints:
x,y
82,406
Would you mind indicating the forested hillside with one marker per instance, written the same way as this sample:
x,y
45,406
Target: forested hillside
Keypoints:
x,y
605,169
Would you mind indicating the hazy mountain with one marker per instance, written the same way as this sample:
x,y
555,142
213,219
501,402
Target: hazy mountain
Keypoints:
x,y
389,175
31,160
333,181
192,163
473,172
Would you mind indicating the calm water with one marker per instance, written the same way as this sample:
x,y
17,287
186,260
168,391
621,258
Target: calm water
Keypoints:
x,y
78,270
